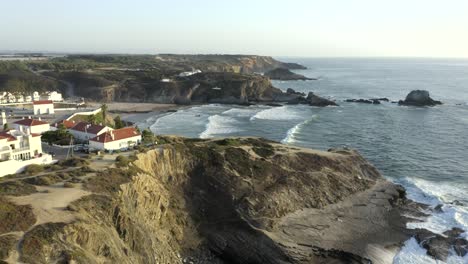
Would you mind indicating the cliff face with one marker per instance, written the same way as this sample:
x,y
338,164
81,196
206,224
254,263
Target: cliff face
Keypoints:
x,y
213,87
221,201
228,63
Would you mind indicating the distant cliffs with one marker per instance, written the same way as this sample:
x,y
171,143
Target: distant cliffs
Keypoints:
x,y
285,75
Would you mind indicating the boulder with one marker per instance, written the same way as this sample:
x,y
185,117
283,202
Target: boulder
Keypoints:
x,y
439,246
419,98
366,101
315,100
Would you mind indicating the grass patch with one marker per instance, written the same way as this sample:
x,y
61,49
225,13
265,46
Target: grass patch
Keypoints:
x,y
233,142
7,244
15,217
264,152
74,162
109,181
45,180
17,188
33,169
68,185
35,240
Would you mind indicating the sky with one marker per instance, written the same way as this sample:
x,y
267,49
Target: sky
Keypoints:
x,y
307,28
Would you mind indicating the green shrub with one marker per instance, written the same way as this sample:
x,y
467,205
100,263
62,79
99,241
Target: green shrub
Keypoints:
x,y
33,169
15,217
17,188
68,185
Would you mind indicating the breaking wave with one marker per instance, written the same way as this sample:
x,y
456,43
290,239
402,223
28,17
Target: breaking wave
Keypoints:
x,y
291,134
218,124
278,113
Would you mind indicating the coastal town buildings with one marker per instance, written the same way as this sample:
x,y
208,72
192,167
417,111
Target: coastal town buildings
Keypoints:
x,y
84,131
116,139
36,96
32,125
189,73
51,96
66,123
19,149
43,107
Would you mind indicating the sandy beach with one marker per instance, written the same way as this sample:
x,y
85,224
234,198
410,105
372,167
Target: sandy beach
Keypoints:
x,y
121,107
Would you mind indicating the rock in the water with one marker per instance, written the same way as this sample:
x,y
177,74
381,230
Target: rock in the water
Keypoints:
x,y
363,101
419,98
285,75
385,99
438,208
439,246
367,101
315,100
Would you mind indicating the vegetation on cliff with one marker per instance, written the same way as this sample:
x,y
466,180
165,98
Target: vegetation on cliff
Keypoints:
x,y
145,78
207,201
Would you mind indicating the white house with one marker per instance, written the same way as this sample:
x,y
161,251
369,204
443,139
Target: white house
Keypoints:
x,y
43,107
84,131
32,125
189,73
28,98
19,98
19,149
116,139
36,96
52,96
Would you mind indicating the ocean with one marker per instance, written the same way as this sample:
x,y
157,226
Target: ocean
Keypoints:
x,y
424,149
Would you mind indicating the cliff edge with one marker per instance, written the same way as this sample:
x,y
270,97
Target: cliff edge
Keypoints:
x,y
233,200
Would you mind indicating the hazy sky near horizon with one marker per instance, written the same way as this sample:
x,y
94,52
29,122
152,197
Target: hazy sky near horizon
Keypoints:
x,y
315,28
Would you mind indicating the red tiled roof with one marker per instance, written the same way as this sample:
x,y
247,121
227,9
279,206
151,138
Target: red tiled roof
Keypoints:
x,y
8,136
88,128
43,102
118,134
30,122
35,134
66,123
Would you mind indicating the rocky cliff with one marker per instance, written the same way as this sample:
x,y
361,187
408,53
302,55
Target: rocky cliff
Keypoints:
x,y
243,200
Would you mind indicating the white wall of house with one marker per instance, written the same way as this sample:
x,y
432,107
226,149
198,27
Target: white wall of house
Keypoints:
x,y
38,129
117,144
52,96
86,136
17,166
43,109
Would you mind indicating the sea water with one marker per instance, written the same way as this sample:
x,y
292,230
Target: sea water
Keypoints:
x,y
424,149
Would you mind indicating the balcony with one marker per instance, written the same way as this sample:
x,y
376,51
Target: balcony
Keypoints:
x,y
21,149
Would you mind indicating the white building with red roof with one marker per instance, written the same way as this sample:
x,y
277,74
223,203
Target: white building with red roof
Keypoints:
x,y
84,131
45,107
19,149
116,139
32,125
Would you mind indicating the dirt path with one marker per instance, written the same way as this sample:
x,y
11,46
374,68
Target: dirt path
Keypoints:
x,y
50,202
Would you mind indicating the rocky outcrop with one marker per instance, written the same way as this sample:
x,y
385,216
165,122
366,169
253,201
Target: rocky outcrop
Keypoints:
x,y
234,200
285,75
439,246
315,100
419,98
363,101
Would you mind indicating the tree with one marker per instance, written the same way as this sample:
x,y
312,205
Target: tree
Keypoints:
x,y
104,113
147,136
5,127
118,123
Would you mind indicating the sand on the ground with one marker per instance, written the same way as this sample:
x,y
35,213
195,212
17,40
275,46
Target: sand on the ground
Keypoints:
x,y
49,204
135,107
